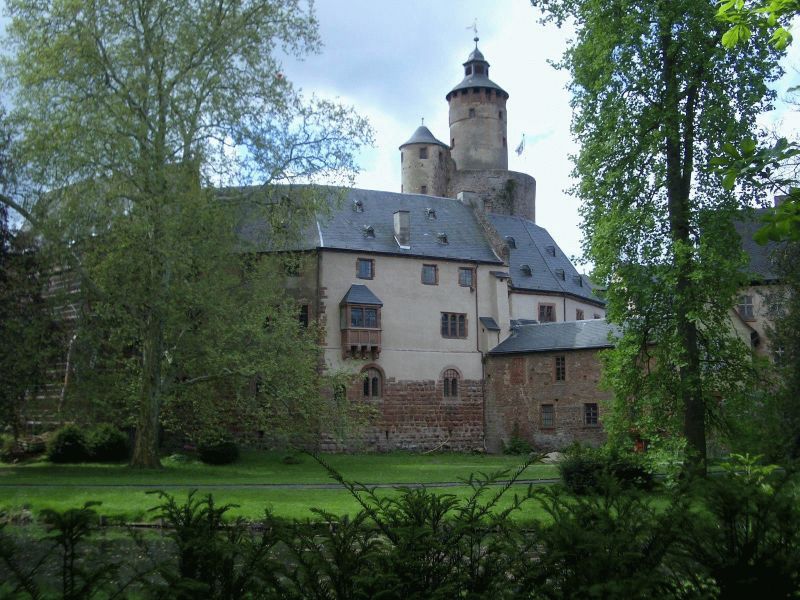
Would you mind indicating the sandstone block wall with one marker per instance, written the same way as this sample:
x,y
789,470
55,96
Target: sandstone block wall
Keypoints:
x,y
517,386
499,191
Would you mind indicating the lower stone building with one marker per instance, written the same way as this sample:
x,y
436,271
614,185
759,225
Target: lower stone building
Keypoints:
x,y
542,385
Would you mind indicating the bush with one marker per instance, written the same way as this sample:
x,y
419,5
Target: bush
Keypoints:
x,y
68,445
106,443
583,470
516,443
218,452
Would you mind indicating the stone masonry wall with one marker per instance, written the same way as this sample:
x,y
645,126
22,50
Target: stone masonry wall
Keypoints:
x,y
518,385
498,191
414,415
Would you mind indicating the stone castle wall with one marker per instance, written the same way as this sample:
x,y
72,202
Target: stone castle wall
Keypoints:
x,y
517,386
498,191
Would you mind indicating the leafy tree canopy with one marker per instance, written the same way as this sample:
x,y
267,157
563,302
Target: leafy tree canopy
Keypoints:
x,y
130,113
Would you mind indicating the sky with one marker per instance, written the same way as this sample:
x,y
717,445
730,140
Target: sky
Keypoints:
x,y
395,60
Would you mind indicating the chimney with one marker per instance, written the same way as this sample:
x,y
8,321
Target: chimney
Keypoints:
x,y
402,229
778,200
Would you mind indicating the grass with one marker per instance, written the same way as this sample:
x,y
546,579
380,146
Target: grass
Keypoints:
x,y
69,486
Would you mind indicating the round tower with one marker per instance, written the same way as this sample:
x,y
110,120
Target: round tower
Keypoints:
x,y
478,134
423,164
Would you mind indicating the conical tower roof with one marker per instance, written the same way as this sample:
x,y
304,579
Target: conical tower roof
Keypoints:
x,y
423,135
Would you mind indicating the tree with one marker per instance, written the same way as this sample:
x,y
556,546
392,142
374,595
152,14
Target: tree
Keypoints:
x,y
129,111
655,97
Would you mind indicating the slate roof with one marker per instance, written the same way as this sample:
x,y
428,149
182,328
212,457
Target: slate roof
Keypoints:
x,y
548,337
423,135
760,265
489,323
532,243
477,80
360,294
352,211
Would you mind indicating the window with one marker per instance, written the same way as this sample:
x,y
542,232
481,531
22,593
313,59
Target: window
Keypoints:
x,y
372,383
364,316
468,70
430,274
504,142
746,307
561,368
471,113
466,277
500,115
423,152
479,69
547,313
596,316
450,384
560,274
579,314
551,250
303,316
590,414
454,325
401,157
423,189
365,268
548,415
453,143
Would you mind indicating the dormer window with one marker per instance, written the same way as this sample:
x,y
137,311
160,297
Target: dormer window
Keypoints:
x,y
526,270
430,214
551,250
358,206
560,274
577,279
512,243
369,231
441,238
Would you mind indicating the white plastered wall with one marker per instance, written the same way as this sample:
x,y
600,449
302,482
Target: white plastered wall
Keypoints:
x,y
526,306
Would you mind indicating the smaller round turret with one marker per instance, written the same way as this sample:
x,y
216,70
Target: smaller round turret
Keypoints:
x,y
423,164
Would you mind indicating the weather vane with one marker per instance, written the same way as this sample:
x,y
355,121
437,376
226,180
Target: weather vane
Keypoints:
x,y
474,28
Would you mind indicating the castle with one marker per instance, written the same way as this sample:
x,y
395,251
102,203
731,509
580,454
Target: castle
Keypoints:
x,y
461,318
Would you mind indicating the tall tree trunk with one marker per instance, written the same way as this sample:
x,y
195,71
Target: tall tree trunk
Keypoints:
x,y
145,449
679,162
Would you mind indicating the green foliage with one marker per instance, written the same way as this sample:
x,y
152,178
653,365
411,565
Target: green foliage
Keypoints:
x,y
128,114
587,470
654,98
516,443
218,452
106,443
68,445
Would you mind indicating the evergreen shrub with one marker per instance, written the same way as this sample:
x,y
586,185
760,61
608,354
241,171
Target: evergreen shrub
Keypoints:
x,y
583,470
68,445
106,443
218,452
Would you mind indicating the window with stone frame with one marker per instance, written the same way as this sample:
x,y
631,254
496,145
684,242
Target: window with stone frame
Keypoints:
x,y
561,368
430,274
590,414
373,383
365,268
579,314
471,113
547,313
423,152
466,277
454,325
548,416
450,384
745,307
423,189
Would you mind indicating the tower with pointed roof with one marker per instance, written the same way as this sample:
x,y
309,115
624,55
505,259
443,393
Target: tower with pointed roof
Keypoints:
x,y
478,132
424,163
473,168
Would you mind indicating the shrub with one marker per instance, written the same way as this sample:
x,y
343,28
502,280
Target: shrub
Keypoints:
x,y
516,443
68,445
218,452
583,469
106,443
9,450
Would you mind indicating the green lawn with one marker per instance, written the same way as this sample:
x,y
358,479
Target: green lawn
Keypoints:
x,y
72,485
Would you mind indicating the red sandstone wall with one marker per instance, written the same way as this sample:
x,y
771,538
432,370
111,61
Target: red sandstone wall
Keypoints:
x,y
517,386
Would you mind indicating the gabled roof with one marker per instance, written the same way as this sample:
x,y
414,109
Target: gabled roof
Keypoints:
x,y
352,212
535,248
549,337
360,294
760,266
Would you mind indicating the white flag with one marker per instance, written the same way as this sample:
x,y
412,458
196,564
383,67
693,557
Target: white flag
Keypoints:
x,y
521,146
